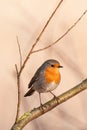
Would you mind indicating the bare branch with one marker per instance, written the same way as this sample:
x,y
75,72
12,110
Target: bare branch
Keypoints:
x,y
18,81
68,30
19,100
16,69
19,51
36,112
38,38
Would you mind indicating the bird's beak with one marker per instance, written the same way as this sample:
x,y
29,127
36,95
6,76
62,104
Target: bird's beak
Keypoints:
x,y
60,66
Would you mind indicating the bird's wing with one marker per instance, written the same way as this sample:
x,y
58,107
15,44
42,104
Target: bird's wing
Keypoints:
x,y
35,77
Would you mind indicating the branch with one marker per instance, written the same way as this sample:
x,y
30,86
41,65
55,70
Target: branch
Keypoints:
x,y
68,30
18,82
38,38
19,100
19,51
36,112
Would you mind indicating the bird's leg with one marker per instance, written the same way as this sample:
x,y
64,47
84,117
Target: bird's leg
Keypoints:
x,y
41,105
55,97
40,99
53,94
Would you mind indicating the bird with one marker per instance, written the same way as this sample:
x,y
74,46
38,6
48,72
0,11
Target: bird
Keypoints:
x,y
46,79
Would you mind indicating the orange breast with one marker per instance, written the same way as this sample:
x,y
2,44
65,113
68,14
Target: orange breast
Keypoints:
x,y
52,75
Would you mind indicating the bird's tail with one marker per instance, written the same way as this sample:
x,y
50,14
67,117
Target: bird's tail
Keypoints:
x,y
29,93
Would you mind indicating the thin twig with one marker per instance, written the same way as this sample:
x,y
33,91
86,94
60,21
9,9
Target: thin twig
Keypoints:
x,y
19,100
37,112
19,51
18,81
38,38
68,30
16,69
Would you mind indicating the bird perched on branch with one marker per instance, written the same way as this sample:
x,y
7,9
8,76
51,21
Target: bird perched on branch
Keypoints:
x,y
46,78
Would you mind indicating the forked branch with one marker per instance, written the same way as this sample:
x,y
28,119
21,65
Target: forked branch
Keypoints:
x,y
38,38
61,37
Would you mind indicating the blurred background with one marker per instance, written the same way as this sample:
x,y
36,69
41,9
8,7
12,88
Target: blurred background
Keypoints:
x,y
26,19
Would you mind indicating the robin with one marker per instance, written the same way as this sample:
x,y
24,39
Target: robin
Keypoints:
x,y
46,78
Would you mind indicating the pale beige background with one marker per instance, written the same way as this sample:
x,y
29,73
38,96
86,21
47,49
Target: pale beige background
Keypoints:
x,y
26,18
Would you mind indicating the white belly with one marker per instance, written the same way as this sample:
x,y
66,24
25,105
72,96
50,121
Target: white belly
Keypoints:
x,y
51,86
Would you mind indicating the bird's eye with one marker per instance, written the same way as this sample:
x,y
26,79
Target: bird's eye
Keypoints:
x,y
52,65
